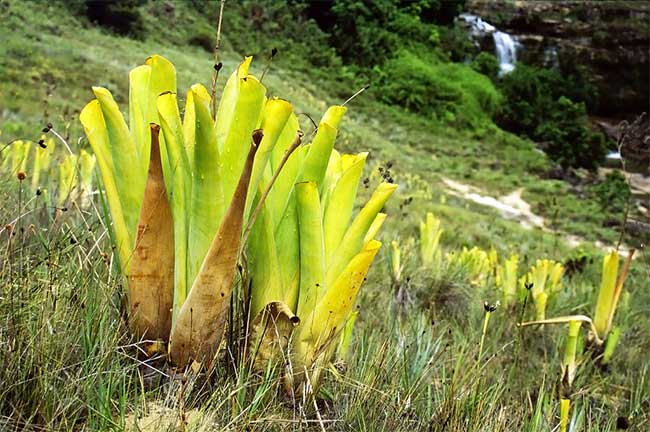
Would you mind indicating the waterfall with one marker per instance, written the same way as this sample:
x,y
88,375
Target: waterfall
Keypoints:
x,y
504,44
477,25
506,50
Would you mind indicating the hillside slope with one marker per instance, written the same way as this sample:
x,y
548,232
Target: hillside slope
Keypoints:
x,y
422,356
50,59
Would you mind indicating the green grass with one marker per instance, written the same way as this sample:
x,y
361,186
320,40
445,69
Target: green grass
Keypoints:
x,y
68,363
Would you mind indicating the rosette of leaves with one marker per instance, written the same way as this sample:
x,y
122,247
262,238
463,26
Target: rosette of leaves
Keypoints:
x,y
602,334
506,279
546,279
308,256
430,233
179,201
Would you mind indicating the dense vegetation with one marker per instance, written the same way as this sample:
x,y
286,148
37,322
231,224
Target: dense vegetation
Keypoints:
x,y
417,58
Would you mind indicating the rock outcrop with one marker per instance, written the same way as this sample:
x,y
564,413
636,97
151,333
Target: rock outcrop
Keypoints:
x,y
610,39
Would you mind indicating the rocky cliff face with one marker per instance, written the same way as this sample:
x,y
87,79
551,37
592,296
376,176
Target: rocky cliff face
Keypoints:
x,y
610,39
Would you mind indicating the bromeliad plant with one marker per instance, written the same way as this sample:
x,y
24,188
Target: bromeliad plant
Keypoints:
x,y
75,179
430,233
74,172
602,334
308,256
546,279
179,201
507,280
475,262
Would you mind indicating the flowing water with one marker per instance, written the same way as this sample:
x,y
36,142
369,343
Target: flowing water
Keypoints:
x,y
506,51
505,45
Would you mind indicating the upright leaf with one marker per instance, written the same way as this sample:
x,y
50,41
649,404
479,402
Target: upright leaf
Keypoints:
x,y
151,280
353,239
606,293
197,331
179,188
312,248
92,119
207,201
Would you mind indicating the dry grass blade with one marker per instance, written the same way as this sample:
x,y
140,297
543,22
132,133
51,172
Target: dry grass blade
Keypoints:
x,y
270,333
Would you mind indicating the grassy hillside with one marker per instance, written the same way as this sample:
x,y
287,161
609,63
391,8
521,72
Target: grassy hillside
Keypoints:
x,y
414,362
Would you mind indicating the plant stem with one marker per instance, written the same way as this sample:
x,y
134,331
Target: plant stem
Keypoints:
x,y
215,75
485,325
258,208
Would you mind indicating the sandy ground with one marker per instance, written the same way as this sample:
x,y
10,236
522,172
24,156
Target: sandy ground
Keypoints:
x,y
513,207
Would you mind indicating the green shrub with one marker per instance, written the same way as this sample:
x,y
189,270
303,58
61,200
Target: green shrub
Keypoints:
x,y
486,64
567,137
527,97
258,26
121,16
573,82
455,44
536,106
613,192
369,32
449,92
361,32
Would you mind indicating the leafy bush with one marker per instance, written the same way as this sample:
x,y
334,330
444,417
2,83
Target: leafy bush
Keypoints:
x,y
613,193
121,16
362,32
573,82
299,40
450,92
486,64
455,44
536,107
369,32
568,139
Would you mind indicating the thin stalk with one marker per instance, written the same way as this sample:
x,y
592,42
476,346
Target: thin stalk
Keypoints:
x,y
486,320
364,88
488,311
65,143
274,51
20,229
258,208
215,75
565,406
628,202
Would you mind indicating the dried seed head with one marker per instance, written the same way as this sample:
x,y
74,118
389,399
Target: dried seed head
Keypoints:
x,y
218,66
21,175
490,307
41,143
274,51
